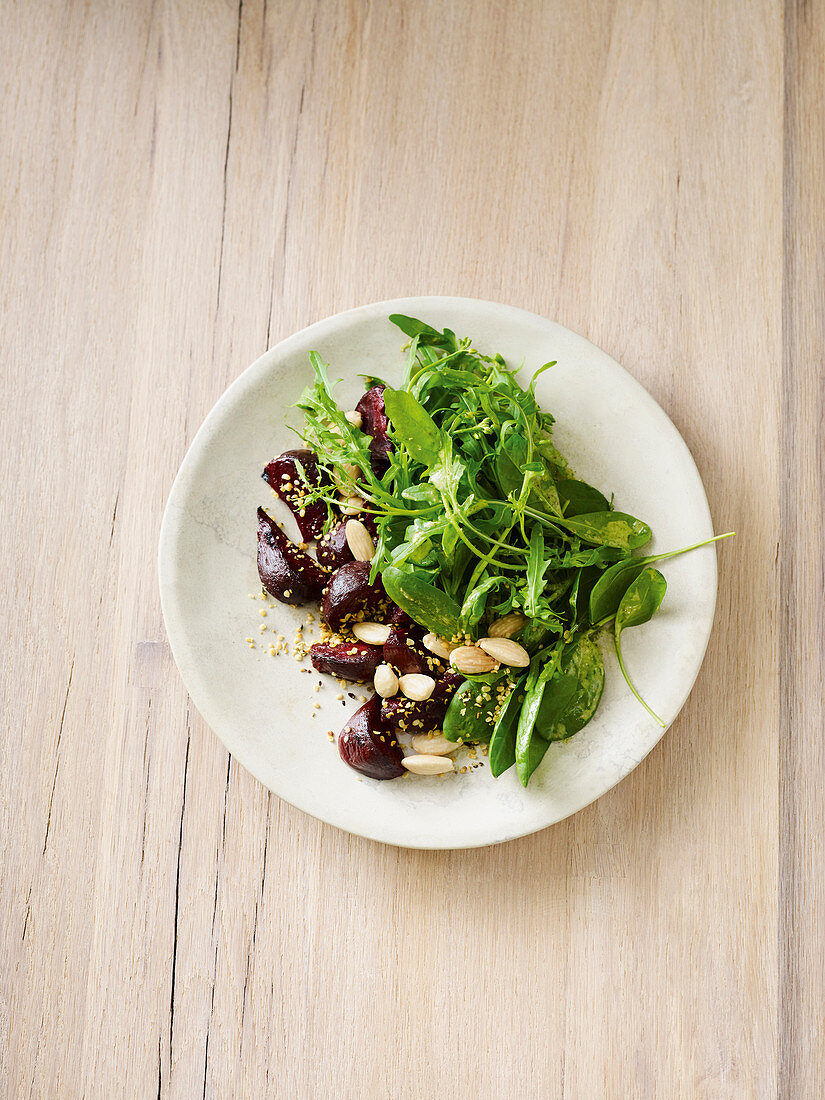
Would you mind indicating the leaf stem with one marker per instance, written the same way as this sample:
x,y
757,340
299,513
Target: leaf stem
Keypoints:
x,y
630,684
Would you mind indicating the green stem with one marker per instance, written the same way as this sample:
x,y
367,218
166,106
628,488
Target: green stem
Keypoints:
x,y
547,522
687,549
497,542
479,553
629,683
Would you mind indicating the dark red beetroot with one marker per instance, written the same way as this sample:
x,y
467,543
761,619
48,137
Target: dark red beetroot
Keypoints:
x,y
333,550
374,423
407,654
399,618
287,573
367,746
349,591
282,472
351,661
416,717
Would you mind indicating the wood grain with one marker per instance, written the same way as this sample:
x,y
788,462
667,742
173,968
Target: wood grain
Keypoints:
x,y
181,185
802,496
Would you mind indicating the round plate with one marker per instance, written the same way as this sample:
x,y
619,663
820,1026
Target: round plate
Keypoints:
x,y
613,434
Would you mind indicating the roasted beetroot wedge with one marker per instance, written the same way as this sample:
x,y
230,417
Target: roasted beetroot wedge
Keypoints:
x,y
349,591
333,550
351,661
374,423
406,653
397,617
409,716
286,572
365,745
283,476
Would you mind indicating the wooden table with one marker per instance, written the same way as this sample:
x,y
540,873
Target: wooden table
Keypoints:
x,y
182,185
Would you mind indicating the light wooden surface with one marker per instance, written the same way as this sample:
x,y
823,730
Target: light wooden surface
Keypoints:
x,y
182,185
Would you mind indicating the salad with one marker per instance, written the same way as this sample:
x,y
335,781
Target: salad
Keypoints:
x,y
460,565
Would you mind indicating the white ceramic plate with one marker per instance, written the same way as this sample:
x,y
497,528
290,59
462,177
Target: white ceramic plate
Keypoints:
x,y
613,434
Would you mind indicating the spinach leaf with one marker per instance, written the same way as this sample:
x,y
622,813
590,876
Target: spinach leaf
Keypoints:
x,y
641,601
614,582
527,759
532,747
509,476
608,529
567,703
578,498
639,604
543,494
471,714
579,600
427,335
581,671
411,326
422,600
413,426
611,586
502,750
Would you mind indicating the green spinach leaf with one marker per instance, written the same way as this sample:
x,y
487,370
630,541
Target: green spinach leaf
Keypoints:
x,y
471,714
578,498
527,757
502,750
615,529
580,685
639,604
611,586
423,601
413,426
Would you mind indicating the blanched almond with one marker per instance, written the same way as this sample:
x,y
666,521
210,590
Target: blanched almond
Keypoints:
x,y
427,765
471,660
359,540
354,418
351,470
438,646
506,651
416,686
385,682
372,633
351,506
507,626
437,745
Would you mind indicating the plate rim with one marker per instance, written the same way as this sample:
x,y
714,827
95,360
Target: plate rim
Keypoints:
x,y
173,618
